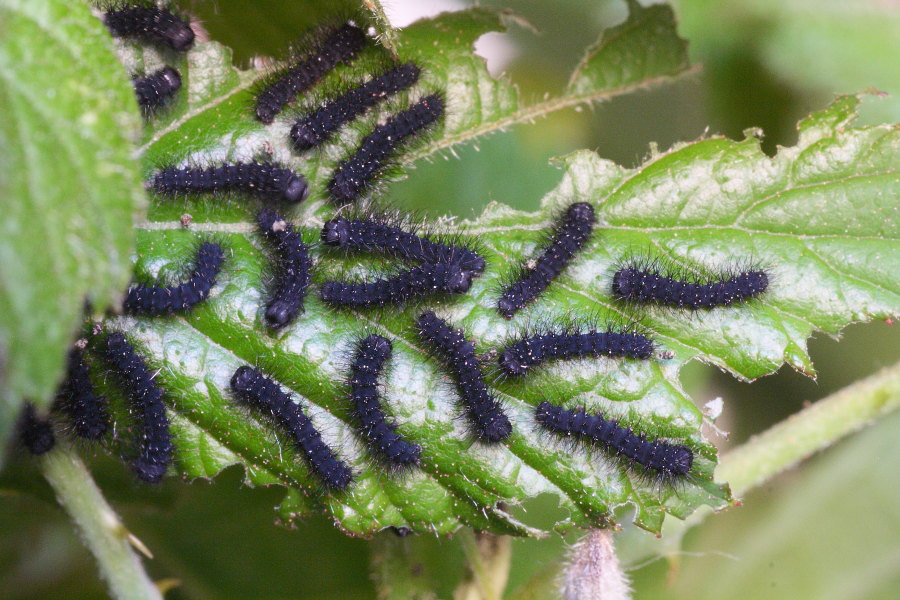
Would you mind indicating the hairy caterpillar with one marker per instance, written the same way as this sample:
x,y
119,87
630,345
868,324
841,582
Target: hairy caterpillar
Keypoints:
x,y
159,300
384,234
154,89
353,175
262,179
368,362
316,127
667,460
35,432
255,388
417,282
155,445
524,354
482,409
151,24
293,270
341,45
569,235
77,399
647,284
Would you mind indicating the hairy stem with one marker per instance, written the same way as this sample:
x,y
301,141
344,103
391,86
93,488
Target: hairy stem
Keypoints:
x,y
386,34
488,557
810,430
99,526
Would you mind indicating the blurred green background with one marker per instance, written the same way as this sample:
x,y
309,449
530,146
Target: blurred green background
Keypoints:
x,y
826,530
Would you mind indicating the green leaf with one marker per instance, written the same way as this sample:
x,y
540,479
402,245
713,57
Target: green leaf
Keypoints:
x,y
69,185
624,58
701,204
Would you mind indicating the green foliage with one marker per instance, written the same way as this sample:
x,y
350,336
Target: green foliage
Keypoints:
x,y
699,205
817,216
68,120
816,47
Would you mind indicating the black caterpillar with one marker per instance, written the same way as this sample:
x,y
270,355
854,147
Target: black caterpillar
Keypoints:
x,y
483,410
355,174
318,126
155,446
521,356
265,180
150,24
668,461
381,235
155,89
86,410
255,388
371,354
646,285
340,46
293,270
417,282
36,433
569,235
158,300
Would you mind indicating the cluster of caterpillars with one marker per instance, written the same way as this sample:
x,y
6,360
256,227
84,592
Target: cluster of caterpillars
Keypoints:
x,y
162,28
354,175
428,265
457,262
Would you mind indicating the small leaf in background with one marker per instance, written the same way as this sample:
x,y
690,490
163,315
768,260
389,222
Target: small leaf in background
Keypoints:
x,y
813,48
69,188
623,58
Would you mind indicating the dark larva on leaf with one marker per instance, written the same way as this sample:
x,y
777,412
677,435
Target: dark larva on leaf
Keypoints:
x,y
524,354
159,300
380,235
155,441
293,270
85,409
339,46
263,180
484,411
381,435
155,89
256,389
648,285
150,24
667,461
569,235
417,282
356,174
35,432
317,127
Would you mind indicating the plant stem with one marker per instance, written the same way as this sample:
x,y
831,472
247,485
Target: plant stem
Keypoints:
x,y
100,527
785,445
810,430
530,113
396,572
489,558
